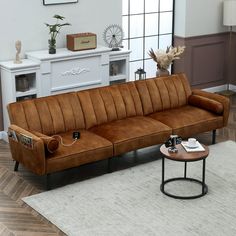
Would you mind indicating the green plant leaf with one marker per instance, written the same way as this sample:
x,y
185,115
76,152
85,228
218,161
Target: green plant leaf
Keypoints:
x,y
55,28
59,17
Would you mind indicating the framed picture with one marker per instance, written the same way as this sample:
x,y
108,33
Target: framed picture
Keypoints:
x,y
52,2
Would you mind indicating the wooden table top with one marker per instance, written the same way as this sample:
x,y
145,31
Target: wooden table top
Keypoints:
x,y
183,155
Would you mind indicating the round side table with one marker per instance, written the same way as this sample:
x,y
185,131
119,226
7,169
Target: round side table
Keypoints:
x,y
183,156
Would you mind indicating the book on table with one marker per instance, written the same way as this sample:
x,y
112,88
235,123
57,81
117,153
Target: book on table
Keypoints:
x,y
197,148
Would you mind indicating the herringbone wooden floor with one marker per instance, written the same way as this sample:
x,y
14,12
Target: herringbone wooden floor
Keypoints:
x,y
16,218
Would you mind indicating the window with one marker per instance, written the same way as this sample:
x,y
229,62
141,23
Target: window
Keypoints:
x,y
147,24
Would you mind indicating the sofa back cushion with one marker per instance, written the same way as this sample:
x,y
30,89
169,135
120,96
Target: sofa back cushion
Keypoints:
x,y
158,94
48,115
85,109
101,105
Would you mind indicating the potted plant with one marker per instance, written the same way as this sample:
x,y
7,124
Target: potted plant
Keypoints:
x,y
54,30
165,58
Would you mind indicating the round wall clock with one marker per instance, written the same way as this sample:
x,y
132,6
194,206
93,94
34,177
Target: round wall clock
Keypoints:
x,y
113,36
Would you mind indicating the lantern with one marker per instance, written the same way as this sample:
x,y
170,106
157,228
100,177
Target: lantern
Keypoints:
x,y
140,74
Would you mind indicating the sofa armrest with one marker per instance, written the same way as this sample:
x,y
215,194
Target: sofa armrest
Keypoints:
x,y
27,149
206,103
50,143
213,98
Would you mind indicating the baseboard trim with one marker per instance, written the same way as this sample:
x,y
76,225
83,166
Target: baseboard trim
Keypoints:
x,y
216,89
221,88
4,136
232,87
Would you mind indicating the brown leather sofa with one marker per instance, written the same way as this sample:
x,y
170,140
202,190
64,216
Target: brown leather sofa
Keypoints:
x,y
112,120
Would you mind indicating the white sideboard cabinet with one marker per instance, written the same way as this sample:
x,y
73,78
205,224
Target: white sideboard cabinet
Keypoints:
x,y
19,82
69,71
119,66
43,74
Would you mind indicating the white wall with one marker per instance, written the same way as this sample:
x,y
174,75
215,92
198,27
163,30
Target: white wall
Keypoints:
x,y
199,17
180,17
24,20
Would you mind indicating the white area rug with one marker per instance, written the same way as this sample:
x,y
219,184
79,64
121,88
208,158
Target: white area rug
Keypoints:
x,y
129,202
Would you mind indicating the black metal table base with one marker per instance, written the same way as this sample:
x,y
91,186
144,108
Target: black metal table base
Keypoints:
x,y
185,178
204,188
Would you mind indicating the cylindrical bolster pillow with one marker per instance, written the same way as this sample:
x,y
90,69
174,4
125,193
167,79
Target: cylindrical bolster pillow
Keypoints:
x,y
50,144
206,103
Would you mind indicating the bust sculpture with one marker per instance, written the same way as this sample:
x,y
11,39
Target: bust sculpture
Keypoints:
x,y
18,50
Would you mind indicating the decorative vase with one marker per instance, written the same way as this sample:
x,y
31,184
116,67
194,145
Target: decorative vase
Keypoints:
x,y
162,72
52,46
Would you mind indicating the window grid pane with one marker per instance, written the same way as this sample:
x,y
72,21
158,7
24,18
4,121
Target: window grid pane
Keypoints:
x,y
151,24
151,6
147,24
165,22
136,47
136,21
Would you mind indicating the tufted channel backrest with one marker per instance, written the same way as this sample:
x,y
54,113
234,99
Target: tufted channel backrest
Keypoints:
x,y
163,93
48,115
110,103
85,109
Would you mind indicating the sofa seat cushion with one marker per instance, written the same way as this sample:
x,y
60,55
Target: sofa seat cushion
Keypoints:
x,y
133,133
89,148
189,120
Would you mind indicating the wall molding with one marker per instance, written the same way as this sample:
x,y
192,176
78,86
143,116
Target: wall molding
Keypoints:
x,y
206,60
202,36
208,63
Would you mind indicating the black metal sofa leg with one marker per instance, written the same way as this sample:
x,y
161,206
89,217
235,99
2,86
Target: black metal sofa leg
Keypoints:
x,y
16,166
48,184
109,170
214,136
